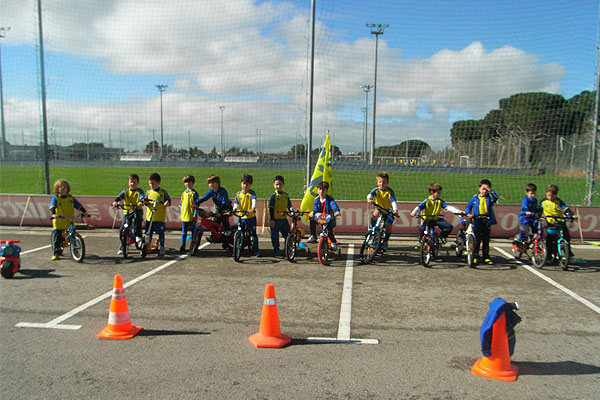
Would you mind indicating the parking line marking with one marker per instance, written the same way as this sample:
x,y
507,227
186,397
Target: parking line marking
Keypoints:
x,y
343,335
55,323
552,282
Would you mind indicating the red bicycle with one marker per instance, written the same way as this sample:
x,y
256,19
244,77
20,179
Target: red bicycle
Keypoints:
x,y
326,250
218,232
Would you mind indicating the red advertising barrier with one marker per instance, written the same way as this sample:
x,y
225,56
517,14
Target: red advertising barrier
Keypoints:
x,y
32,210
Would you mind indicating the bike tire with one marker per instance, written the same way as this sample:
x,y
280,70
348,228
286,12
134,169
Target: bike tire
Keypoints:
x,y
7,269
470,246
540,253
77,248
563,250
426,252
435,246
195,242
459,244
370,246
125,242
144,248
323,250
238,244
290,247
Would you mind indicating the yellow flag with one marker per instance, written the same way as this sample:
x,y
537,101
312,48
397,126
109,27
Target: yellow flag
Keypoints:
x,y
322,172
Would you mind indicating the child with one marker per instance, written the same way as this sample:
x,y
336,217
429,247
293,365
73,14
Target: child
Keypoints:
x,y
62,205
279,201
527,216
220,198
132,198
482,204
432,206
160,197
552,206
325,204
245,201
384,197
189,199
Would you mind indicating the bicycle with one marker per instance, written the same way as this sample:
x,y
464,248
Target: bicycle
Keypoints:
x,y
294,239
326,250
242,237
535,243
430,242
372,245
461,237
470,238
127,231
219,233
147,246
71,238
554,230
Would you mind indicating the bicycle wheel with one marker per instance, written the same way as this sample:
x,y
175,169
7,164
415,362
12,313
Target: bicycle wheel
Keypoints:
x,y
323,250
125,241
370,246
7,269
290,247
540,253
470,246
144,248
238,244
563,258
435,246
459,243
195,242
426,252
77,247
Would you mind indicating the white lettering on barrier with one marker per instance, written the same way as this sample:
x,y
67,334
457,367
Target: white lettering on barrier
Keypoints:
x,y
593,221
12,206
509,221
352,216
92,209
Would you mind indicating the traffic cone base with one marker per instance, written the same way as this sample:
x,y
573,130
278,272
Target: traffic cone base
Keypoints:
x,y
119,324
269,335
485,368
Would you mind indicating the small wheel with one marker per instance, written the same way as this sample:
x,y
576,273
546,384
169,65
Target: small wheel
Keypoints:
x,y
144,248
238,244
125,234
426,252
460,243
435,247
77,248
323,250
7,269
370,246
563,249
290,247
196,242
540,253
470,246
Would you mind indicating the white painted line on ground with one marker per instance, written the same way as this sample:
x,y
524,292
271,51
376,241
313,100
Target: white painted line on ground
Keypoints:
x,y
55,323
343,335
552,282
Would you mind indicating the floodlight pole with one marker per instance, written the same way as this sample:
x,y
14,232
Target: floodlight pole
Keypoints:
x,y
43,97
366,89
222,140
376,29
161,89
3,31
593,152
310,109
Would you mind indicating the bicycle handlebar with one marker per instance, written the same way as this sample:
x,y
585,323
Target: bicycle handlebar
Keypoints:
x,y
293,213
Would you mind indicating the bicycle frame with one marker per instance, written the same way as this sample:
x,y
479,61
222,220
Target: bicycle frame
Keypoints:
x,y
293,240
372,244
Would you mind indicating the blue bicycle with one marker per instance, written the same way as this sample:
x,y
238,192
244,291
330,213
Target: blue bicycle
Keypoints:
x,y
556,244
372,245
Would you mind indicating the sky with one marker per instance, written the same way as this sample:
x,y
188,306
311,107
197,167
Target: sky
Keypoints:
x,y
438,61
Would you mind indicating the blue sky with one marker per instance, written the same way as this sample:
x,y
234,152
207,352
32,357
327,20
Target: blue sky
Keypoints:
x,y
104,60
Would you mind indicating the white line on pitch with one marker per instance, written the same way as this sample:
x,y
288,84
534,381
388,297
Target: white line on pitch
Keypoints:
x,y
55,323
552,282
343,335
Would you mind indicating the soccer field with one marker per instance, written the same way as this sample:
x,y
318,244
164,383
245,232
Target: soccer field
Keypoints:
x,y
347,185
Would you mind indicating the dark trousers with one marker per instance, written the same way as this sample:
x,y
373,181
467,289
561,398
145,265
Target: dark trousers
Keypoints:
x,y
444,225
57,241
482,239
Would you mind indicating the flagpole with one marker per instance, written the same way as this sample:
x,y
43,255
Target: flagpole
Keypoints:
x,y
312,77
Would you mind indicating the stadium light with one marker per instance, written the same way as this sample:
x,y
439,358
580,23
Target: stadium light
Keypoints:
x,y
376,29
3,31
366,89
161,89
222,141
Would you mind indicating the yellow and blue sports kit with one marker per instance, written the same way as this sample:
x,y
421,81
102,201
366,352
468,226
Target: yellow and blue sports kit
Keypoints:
x,y
158,197
479,206
131,213
244,202
189,199
62,206
279,201
556,208
432,209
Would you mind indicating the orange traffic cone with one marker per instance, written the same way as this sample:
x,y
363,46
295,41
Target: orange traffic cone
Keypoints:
x,y
269,334
119,324
498,365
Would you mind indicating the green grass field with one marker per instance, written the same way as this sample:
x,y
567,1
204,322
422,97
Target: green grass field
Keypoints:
x,y
348,185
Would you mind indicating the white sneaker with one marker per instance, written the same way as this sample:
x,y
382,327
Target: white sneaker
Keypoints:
x,y
311,239
334,247
161,251
120,252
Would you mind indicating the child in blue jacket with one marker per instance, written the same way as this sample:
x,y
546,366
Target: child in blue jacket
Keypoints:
x,y
482,205
325,204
